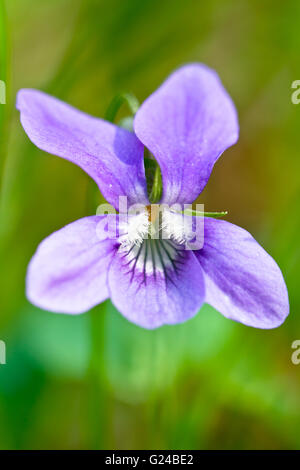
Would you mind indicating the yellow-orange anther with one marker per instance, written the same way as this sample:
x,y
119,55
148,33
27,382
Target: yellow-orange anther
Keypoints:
x,y
153,212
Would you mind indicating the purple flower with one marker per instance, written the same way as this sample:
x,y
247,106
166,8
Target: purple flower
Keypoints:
x,y
186,124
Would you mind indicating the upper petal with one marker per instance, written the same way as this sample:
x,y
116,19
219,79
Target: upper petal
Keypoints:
x,y
112,156
153,297
68,272
242,280
187,123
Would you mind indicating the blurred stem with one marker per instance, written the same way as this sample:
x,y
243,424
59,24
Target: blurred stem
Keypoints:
x,y
3,77
61,82
99,405
156,379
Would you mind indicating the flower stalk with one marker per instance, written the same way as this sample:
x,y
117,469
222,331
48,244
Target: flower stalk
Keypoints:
x,y
99,403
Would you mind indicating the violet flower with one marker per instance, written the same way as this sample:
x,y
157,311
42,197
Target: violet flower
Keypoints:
x,y
186,124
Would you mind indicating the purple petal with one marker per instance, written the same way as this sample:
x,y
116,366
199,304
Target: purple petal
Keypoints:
x,y
242,280
150,299
187,124
112,156
68,272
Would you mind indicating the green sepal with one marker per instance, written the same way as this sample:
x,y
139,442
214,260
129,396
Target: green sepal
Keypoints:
x,y
121,98
195,213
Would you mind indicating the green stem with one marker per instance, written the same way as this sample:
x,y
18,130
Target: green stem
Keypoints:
x,y
99,404
156,191
122,98
98,409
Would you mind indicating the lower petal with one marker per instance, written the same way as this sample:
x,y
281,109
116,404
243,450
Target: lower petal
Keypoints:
x,y
153,294
68,272
242,281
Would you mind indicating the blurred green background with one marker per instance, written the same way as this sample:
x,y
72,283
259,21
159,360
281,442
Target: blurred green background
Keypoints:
x,y
209,383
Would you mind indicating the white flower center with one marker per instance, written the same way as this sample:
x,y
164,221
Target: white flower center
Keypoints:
x,y
155,222
151,242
